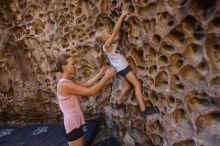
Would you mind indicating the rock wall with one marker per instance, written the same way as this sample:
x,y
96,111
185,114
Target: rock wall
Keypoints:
x,y
173,47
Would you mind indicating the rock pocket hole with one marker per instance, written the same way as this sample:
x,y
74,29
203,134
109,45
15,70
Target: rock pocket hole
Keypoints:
x,y
167,48
170,23
215,82
216,22
179,115
194,53
179,87
205,8
185,143
156,128
171,101
161,80
131,9
194,103
157,140
191,75
153,69
203,68
156,38
163,60
207,121
176,37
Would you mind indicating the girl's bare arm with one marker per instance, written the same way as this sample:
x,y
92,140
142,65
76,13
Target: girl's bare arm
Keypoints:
x,y
116,29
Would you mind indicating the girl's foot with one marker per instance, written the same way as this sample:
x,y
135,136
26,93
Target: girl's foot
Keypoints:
x,y
120,106
148,111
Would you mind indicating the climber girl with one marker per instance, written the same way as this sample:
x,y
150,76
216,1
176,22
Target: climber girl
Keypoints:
x,y
123,68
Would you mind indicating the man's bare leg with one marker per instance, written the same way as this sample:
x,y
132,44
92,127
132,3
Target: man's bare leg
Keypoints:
x,y
78,142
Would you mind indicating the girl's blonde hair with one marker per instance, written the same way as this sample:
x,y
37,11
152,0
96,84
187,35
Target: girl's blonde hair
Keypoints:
x,y
99,35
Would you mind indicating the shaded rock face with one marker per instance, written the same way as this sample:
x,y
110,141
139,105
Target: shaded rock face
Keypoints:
x,y
172,46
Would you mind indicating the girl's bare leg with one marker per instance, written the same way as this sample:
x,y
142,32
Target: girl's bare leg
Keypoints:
x,y
125,87
137,87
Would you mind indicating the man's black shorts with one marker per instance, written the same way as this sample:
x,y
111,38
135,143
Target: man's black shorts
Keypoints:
x,y
74,134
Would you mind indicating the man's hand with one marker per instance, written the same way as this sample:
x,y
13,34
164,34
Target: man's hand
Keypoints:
x,y
103,70
110,72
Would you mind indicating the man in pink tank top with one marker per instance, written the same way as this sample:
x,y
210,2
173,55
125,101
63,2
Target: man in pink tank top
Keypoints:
x,y
68,92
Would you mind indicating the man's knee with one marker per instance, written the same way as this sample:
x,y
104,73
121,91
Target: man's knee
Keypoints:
x,y
78,142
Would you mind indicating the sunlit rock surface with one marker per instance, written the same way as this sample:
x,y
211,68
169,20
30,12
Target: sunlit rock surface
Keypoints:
x,y
173,47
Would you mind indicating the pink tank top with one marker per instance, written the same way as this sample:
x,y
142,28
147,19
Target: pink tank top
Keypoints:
x,y
71,108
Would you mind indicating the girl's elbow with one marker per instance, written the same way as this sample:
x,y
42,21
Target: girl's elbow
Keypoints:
x,y
107,44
